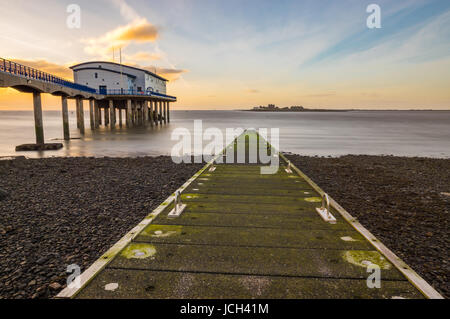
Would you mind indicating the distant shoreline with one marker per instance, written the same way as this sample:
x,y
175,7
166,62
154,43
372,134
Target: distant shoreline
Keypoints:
x,y
340,110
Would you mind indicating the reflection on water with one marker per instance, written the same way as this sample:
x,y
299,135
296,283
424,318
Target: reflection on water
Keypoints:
x,y
425,133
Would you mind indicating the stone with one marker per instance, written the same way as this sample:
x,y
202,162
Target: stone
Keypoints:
x,y
3,194
39,147
54,286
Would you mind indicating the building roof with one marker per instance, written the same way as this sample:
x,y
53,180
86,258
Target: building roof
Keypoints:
x,y
123,65
109,70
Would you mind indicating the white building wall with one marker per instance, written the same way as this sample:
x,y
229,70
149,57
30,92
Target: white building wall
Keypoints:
x,y
85,74
104,78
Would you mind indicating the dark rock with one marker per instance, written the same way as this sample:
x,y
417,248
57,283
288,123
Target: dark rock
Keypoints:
x,y
3,194
39,147
398,202
52,222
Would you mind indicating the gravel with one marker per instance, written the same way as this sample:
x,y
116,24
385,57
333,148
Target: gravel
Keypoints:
x,y
61,211
403,201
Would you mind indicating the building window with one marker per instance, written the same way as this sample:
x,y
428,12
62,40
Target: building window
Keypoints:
x,y
96,75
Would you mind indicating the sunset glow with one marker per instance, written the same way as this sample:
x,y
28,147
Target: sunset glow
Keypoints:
x,y
236,54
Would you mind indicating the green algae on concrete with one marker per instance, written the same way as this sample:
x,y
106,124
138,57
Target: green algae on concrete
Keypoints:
x,y
313,199
324,263
300,220
255,237
162,231
143,284
138,251
365,258
245,235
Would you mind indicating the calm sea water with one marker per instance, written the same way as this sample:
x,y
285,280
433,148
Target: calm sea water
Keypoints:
x,y
404,133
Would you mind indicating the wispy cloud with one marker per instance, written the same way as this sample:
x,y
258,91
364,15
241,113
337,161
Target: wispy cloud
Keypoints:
x,y
125,10
140,31
142,57
49,67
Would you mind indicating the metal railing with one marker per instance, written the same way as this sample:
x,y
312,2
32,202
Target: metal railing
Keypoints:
x,y
8,66
132,92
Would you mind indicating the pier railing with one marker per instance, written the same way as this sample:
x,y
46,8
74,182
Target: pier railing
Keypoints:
x,y
12,67
133,92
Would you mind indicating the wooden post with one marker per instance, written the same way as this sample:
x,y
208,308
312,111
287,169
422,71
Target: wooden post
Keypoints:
x,y
156,113
91,114
141,113
81,108
120,116
112,112
106,111
38,126
168,112
165,112
151,113
160,113
145,107
129,114
65,116
77,105
133,112
97,117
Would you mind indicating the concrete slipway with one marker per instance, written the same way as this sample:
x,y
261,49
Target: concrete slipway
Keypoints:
x,y
247,235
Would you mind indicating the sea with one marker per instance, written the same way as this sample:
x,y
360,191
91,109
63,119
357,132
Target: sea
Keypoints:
x,y
399,133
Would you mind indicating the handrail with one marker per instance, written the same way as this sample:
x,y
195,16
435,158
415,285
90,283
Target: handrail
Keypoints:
x,y
12,67
132,92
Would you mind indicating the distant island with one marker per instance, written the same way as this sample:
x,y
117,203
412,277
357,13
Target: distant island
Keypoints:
x,y
274,108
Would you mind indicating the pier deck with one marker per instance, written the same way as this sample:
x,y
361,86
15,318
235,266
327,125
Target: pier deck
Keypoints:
x,y
244,235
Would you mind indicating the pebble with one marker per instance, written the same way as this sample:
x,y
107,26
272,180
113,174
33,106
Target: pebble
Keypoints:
x,y
399,201
52,222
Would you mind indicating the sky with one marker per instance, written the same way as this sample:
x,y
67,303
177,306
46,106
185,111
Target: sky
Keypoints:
x,y
237,54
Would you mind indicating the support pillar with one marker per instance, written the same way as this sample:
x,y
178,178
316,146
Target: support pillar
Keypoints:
x,y
160,113
97,117
129,114
120,117
151,113
145,106
77,105
106,113
81,114
38,126
112,112
65,117
165,112
156,113
141,113
168,112
91,114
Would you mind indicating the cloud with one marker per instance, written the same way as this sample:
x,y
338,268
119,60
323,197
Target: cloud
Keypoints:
x,y
142,56
254,91
125,10
49,67
171,74
168,73
139,30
